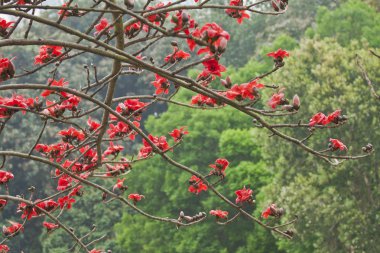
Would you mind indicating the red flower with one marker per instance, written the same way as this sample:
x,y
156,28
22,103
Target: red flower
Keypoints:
x,y
129,107
4,25
93,125
239,15
336,144
177,55
270,211
177,134
279,54
122,129
55,83
317,119
219,167
7,70
71,134
27,211
103,24
47,53
160,142
4,248
53,151
3,203
66,201
113,149
245,90
219,214
277,99
50,226
162,85
203,100
120,185
48,205
212,67
134,29
332,117
243,195
64,182
13,229
95,251
5,176
76,191
135,197
196,185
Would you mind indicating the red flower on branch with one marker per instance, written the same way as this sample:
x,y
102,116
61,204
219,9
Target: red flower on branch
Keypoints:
x,y
5,176
71,134
7,69
177,55
102,25
277,99
177,134
47,53
76,191
4,25
203,100
3,203
244,195
332,117
47,205
54,83
196,185
120,185
50,226
135,197
129,107
13,229
268,212
219,167
160,142
336,144
14,101
4,248
219,214
317,119
64,182
239,15
122,129
93,125
27,211
113,149
66,201
213,67
279,54
161,84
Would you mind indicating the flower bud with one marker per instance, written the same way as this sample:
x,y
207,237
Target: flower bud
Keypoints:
x,y
130,4
296,102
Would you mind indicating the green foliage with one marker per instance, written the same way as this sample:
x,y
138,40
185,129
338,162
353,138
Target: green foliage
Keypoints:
x,y
352,20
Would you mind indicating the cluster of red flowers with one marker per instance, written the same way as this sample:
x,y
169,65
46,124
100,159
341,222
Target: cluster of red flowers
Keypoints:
x,y
322,119
161,84
196,185
47,53
147,149
135,197
177,56
219,214
201,100
130,107
239,15
336,144
244,91
177,134
71,134
244,195
17,102
13,229
219,167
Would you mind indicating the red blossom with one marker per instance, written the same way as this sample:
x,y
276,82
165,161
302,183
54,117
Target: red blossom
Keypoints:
x,y
50,226
7,69
4,248
277,99
93,125
177,55
177,134
113,149
47,205
219,167
160,142
213,67
95,251
102,25
196,185
332,117
14,101
76,191
317,119
245,90
239,15
162,85
120,185
219,214
5,176
4,25
336,144
53,151
47,53
243,195
183,22
54,83
122,129
64,182
27,211
71,134
66,201
279,54
270,211
203,100
129,107
135,197
13,229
